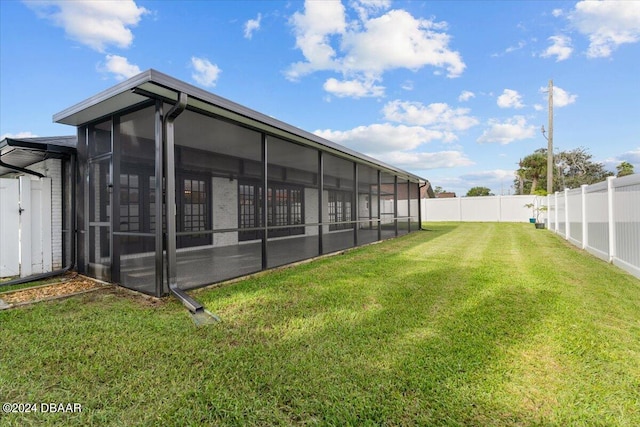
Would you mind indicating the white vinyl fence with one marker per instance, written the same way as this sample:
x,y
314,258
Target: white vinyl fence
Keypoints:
x,y
602,218
484,209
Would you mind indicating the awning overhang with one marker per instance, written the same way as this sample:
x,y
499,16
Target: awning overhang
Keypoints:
x,y
17,154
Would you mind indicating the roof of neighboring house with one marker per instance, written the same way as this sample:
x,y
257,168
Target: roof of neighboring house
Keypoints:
x,y
152,84
16,154
446,195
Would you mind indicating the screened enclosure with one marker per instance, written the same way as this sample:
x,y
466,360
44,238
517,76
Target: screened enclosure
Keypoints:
x,y
251,193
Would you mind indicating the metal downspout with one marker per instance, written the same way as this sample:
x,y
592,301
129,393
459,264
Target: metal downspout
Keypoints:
x,y
420,205
170,205
72,261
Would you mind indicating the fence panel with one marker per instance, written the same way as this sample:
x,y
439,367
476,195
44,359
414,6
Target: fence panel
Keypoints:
x,y
596,216
604,219
483,209
487,209
574,216
441,209
551,212
626,208
560,214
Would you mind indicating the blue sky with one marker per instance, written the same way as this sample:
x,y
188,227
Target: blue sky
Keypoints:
x,y
452,91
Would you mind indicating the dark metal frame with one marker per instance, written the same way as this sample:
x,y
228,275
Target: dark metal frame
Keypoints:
x,y
165,180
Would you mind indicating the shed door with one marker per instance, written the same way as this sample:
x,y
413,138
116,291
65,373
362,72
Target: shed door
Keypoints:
x,y
9,227
25,226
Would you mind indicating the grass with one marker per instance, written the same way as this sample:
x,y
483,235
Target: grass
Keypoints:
x,y
464,324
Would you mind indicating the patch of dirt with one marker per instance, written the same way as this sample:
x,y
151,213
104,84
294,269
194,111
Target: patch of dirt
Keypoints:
x,y
137,297
72,283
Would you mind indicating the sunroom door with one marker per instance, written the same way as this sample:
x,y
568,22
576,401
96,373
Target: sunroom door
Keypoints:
x,y
100,202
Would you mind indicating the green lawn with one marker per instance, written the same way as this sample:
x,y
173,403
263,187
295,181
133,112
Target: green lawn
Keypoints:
x,y
464,324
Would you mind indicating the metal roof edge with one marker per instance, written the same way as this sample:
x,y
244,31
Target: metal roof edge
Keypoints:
x,y
128,84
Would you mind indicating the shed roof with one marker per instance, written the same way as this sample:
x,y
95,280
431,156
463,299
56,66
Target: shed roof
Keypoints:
x,y
153,84
19,153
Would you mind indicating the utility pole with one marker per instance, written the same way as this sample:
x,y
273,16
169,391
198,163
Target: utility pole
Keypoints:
x,y
550,142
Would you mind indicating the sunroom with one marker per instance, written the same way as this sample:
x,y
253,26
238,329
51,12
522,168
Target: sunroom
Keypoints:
x,y
243,192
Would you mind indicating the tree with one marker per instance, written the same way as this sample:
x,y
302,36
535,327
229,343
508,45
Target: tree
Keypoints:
x,y
571,169
438,190
479,191
624,169
533,168
578,169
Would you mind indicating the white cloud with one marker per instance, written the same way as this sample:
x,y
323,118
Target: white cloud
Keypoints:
x,y
120,67
364,49
466,95
510,99
632,157
96,24
353,88
205,72
366,7
407,85
538,107
25,134
607,24
513,129
492,176
561,98
312,29
427,160
438,116
510,49
557,12
383,138
560,48
251,26
398,40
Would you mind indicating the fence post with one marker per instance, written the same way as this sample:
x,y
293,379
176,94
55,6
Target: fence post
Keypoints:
x,y
583,207
612,222
548,214
555,212
567,231
460,209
